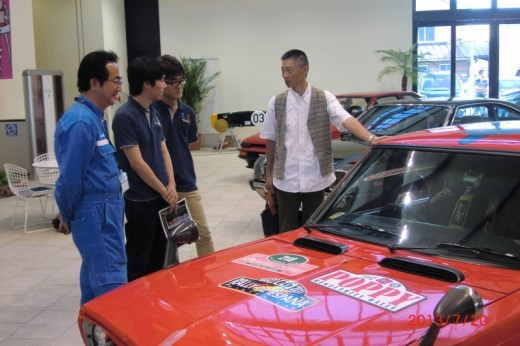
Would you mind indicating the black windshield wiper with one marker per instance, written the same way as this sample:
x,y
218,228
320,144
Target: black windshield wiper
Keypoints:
x,y
477,250
393,247
473,249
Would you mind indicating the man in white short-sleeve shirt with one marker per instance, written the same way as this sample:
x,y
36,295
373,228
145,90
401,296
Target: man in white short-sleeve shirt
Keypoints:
x,y
299,165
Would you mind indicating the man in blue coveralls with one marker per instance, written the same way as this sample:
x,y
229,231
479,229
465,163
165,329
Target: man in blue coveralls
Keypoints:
x,y
89,188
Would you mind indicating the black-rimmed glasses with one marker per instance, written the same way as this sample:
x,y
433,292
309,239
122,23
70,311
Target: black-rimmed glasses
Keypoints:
x,y
176,83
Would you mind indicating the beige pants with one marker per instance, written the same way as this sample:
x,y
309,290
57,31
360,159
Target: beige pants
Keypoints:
x,y
205,243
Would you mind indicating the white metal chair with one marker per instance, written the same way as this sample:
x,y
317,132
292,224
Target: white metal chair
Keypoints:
x,y
18,180
46,169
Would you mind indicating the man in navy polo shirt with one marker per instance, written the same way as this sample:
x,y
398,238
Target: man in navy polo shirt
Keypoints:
x,y
143,155
180,129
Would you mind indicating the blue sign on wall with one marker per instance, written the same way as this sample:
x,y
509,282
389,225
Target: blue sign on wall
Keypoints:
x,y
11,130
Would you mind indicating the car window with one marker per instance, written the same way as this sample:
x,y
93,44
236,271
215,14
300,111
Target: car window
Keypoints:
x,y
471,114
396,119
505,113
424,197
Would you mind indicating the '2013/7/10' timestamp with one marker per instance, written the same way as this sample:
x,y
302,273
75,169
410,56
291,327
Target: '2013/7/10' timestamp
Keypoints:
x,y
420,320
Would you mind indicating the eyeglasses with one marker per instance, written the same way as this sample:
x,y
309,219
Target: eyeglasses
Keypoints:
x,y
118,82
176,83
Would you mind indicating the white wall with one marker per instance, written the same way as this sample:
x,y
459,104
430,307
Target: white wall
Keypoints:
x,y
66,30
248,37
22,45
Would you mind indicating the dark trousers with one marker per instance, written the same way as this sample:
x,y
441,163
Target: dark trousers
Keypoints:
x,y
288,206
145,239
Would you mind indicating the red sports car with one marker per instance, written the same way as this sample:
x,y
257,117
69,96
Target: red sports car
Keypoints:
x,y
355,103
419,244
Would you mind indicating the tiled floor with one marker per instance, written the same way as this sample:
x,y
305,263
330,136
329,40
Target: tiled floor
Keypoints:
x,y
39,292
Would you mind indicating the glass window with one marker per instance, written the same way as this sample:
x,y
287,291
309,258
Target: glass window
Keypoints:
x,y
473,59
508,4
472,114
473,4
435,61
509,71
485,34
430,5
503,113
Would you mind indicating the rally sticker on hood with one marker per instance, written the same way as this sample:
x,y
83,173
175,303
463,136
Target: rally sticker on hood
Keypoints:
x,y
287,294
286,264
380,291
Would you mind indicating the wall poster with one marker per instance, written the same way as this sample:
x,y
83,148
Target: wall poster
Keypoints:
x,y
6,59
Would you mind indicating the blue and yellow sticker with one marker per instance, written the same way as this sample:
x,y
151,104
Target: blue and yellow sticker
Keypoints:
x,y
287,294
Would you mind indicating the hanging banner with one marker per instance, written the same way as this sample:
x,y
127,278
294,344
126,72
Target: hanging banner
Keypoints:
x,y
6,59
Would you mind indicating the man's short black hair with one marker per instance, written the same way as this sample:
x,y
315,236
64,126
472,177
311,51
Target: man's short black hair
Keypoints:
x,y
171,66
297,55
94,65
143,69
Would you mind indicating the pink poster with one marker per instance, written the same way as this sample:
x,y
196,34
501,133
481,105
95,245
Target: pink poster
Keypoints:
x,y
6,59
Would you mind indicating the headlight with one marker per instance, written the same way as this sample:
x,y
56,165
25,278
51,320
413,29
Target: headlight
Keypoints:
x,y
95,335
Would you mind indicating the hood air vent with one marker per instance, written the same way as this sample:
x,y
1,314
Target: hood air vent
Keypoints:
x,y
429,270
320,245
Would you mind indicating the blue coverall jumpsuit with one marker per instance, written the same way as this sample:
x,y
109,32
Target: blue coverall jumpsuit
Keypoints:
x,y
89,197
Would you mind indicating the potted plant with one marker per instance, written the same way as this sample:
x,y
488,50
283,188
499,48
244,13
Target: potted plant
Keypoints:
x,y
198,85
400,62
4,186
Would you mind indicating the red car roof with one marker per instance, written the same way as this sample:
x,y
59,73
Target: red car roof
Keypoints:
x,y
377,94
503,135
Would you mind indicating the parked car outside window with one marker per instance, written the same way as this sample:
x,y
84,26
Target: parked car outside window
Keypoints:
x,y
512,96
437,84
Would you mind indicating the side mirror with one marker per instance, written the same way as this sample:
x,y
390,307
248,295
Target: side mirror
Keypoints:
x,y
184,233
462,303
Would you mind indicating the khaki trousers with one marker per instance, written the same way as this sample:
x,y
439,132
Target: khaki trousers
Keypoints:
x,y
194,200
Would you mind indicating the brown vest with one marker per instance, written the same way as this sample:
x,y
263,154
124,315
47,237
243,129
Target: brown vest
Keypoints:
x,y
318,124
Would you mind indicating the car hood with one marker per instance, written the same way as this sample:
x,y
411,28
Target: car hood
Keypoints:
x,y
255,140
272,292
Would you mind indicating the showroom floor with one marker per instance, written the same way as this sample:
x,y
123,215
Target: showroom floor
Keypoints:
x,y
39,292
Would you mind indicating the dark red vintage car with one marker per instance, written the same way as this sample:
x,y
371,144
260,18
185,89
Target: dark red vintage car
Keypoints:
x,y
355,103
419,244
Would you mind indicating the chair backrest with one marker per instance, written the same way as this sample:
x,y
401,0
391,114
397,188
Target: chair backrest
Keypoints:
x,y
46,175
18,180
45,157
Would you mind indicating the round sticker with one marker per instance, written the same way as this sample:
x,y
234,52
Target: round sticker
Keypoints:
x,y
287,259
257,118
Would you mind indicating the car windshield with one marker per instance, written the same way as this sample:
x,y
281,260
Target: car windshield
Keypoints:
x,y
396,119
404,198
